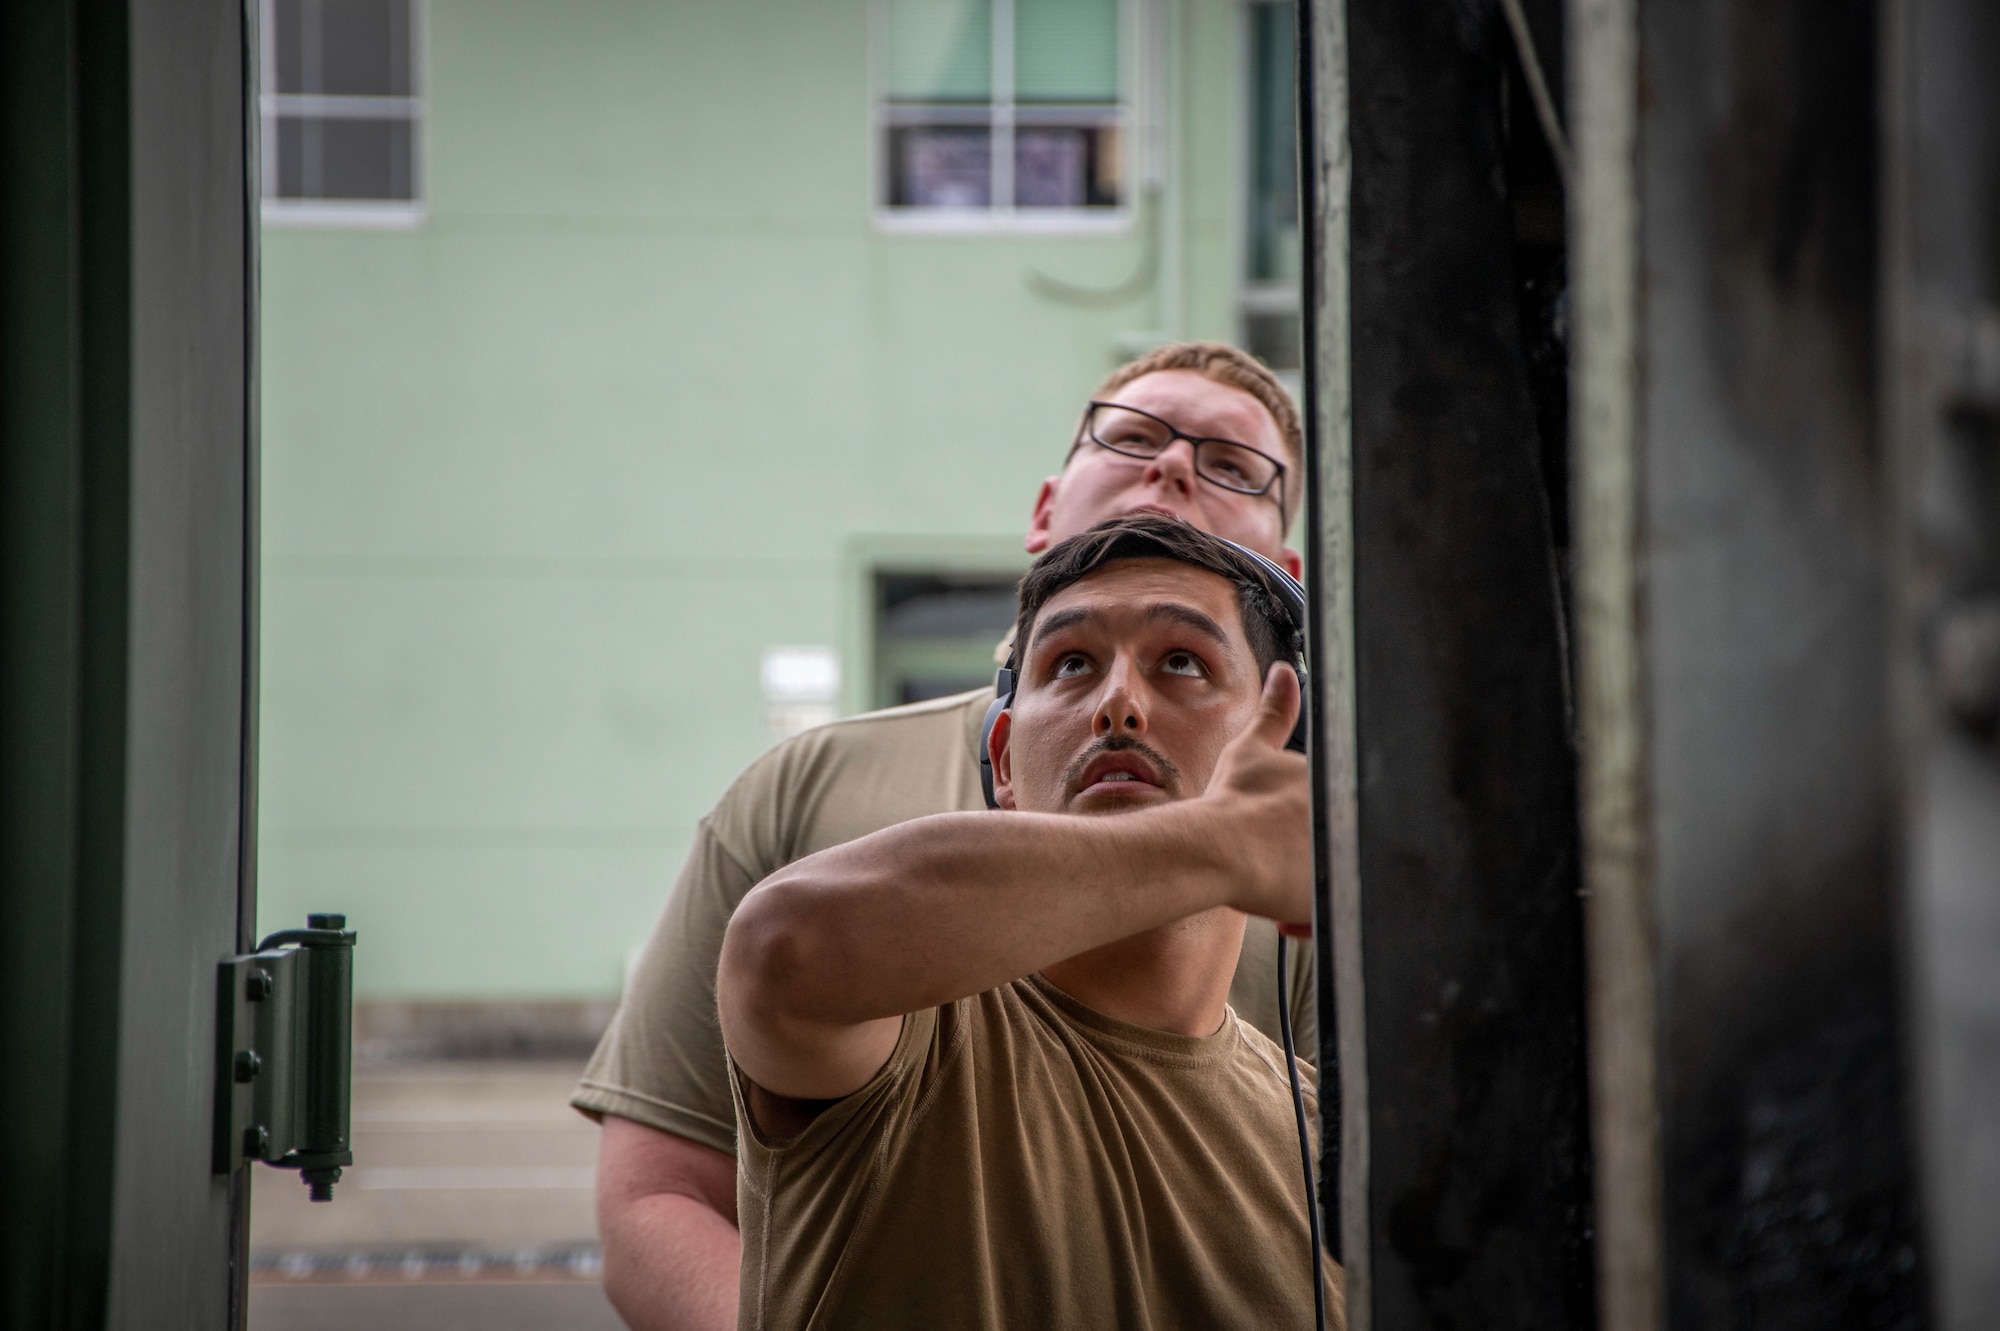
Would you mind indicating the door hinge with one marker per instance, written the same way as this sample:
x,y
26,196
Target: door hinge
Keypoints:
x,y
284,1041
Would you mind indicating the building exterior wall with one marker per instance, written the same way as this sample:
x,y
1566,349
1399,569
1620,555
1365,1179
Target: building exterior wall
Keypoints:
x,y
647,385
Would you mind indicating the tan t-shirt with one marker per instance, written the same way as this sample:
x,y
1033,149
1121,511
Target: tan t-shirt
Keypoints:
x,y
661,1062
1023,1161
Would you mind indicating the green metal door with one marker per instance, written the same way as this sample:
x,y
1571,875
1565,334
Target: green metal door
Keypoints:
x,y
127,651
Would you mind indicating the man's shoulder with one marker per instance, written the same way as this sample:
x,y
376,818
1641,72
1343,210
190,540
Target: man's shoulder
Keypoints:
x,y
936,725
1267,1053
856,775
1029,1024
946,715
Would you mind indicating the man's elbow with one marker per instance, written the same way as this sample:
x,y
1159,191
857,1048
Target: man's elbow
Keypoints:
x,y
774,957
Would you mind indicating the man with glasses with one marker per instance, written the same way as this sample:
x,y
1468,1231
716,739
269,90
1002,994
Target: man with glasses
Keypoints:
x,y
1198,431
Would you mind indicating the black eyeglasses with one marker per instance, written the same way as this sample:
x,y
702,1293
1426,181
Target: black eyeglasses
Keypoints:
x,y
1220,462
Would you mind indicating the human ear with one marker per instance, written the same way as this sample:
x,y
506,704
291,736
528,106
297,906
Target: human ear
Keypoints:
x,y
1000,751
1038,520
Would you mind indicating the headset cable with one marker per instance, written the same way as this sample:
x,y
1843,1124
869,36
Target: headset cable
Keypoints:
x,y
1305,1138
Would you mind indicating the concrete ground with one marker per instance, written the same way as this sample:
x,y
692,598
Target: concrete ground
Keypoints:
x,y
470,1204
494,1307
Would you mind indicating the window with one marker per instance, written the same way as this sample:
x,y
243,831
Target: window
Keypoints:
x,y
935,633
340,109
998,110
1271,325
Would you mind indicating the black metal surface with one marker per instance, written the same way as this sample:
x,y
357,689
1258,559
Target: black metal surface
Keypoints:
x,y
1471,928
1787,1198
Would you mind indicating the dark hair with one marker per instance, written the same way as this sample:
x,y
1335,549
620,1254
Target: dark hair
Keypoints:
x,y
1266,623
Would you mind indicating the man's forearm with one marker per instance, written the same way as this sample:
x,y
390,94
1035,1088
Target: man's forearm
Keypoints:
x,y
933,910
823,960
674,1264
666,1212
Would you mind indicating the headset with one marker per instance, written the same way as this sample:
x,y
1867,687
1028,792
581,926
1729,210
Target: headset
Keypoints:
x,y
1291,595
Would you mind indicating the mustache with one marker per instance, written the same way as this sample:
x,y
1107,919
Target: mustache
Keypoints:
x,y
1170,775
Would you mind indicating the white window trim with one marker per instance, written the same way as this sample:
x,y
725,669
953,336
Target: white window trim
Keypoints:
x,y
352,215
984,222
344,214
1256,296
1005,219
1269,297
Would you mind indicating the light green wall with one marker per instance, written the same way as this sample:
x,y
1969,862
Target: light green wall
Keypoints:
x,y
544,474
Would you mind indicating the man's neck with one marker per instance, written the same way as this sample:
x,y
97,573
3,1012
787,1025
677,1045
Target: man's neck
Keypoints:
x,y
1173,978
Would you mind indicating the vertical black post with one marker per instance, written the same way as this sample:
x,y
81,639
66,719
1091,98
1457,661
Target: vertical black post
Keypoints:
x,y
1456,934
1322,130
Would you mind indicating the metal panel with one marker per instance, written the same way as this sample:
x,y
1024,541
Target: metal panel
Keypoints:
x,y
1941,379
1786,1197
1624,1053
124,647
1740,793
1465,1177
185,709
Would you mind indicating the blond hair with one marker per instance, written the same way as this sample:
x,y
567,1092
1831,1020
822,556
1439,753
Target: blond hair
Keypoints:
x,y
1232,368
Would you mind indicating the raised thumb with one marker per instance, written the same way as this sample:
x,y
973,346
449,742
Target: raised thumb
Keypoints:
x,y
1278,712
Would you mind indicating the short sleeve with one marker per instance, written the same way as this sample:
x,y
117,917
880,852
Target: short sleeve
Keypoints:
x,y
860,1112
661,1062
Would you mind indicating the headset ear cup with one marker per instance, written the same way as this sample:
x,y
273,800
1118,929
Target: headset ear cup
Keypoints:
x,y
1292,594
1003,698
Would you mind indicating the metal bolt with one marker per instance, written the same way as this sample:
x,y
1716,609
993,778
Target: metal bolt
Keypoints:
x,y
248,1064
258,987
326,921
257,1142
319,1182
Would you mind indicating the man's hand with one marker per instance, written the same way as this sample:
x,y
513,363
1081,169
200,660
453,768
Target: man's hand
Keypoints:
x,y
1262,794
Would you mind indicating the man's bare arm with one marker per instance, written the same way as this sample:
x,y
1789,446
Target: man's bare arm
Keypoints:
x,y
666,1215
824,958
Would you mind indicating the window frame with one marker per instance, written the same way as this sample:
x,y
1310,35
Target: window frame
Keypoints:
x,y
1258,296
866,557
1007,218
355,214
